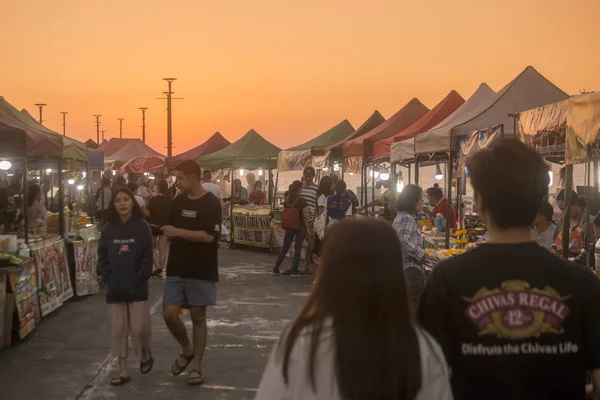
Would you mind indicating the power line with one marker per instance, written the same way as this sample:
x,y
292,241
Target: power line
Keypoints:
x,y
64,114
121,127
98,128
143,123
169,97
40,106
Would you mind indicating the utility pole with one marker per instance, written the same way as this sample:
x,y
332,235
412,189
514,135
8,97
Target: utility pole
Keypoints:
x,y
169,97
121,127
143,123
64,114
98,128
102,136
41,105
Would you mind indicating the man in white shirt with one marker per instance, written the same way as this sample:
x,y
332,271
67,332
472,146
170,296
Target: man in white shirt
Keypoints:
x,y
209,186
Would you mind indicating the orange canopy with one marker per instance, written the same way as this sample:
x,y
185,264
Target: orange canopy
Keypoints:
x,y
440,112
363,146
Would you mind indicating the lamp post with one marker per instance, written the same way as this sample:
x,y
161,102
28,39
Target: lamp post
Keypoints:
x,y
143,123
64,114
97,128
40,106
121,127
169,119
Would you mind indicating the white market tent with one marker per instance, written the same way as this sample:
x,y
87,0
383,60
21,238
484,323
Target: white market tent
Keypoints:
x,y
427,140
528,90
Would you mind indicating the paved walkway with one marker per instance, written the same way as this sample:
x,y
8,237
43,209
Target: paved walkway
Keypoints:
x,y
66,357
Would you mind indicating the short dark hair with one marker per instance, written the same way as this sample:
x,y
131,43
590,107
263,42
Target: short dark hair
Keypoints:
x,y
112,215
32,191
189,167
340,187
409,198
106,181
132,186
207,172
512,179
163,186
309,171
574,197
546,210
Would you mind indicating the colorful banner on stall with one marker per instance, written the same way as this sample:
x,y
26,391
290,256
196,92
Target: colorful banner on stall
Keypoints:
x,y
298,160
252,226
86,267
24,286
544,128
583,129
472,143
53,276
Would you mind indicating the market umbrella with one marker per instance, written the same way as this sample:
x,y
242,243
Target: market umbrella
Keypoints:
x,y
141,164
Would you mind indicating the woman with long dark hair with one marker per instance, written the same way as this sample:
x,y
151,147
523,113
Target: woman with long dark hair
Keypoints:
x,y
293,201
157,213
355,338
125,264
408,204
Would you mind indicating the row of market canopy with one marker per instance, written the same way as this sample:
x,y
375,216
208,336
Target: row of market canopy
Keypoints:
x,y
412,133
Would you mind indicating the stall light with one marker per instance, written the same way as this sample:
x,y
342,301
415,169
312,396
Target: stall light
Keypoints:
x,y
71,181
551,176
114,172
400,187
260,172
218,180
5,165
384,176
151,177
325,169
438,172
336,167
351,173
84,174
49,171
10,174
242,172
374,174
145,174
80,187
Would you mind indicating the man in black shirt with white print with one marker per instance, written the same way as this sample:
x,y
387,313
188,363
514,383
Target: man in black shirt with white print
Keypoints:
x,y
192,269
514,320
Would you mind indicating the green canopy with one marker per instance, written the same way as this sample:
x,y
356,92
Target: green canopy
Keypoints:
x,y
340,132
72,148
251,151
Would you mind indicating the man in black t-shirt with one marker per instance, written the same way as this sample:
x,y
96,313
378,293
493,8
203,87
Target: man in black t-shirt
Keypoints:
x,y
192,269
514,321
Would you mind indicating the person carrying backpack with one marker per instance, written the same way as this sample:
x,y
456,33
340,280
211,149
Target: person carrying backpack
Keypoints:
x,y
294,220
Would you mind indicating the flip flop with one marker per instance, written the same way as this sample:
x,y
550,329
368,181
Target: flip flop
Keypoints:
x,y
177,369
146,366
120,381
196,380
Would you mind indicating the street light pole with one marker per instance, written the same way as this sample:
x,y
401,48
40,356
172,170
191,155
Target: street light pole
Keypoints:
x,y
97,128
121,127
64,114
102,136
40,106
143,123
169,116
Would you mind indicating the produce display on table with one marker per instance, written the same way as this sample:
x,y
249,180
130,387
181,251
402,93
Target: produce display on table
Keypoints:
x,y
14,260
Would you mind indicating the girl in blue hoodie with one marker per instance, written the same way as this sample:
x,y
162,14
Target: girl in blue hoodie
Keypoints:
x,y
125,263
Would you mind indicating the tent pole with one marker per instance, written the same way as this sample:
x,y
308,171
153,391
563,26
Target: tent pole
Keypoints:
x,y
274,200
596,177
231,210
373,190
61,199
417,172
448,199
567,215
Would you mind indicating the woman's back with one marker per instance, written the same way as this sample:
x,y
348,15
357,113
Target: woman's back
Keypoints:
x,y
434,372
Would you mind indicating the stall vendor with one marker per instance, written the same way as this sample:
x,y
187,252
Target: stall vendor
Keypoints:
x,y
257,197
36,211
240,194
581,233
543,228
436,198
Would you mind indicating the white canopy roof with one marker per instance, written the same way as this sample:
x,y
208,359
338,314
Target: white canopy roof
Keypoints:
x,y
438,139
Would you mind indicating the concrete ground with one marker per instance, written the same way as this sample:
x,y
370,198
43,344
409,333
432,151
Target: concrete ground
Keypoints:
x,y
66,356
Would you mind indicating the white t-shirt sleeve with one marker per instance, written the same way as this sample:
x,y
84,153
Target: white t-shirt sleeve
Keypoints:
x,y
349,211
322,202
272,385
140,201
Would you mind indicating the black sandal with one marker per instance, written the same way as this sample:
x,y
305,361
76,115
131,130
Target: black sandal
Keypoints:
x,y
177,369
196,380
146,366
120,381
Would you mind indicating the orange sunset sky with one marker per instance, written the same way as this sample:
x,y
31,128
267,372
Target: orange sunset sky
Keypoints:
x,y
289,69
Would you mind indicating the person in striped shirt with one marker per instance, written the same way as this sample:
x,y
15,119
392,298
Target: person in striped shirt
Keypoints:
x,y
309,193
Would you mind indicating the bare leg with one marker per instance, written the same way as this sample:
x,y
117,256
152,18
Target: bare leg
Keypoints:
x,y
177,329
123,366
156,262
162,251
200,334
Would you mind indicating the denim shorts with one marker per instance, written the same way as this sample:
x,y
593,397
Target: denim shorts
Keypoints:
x,y
188,293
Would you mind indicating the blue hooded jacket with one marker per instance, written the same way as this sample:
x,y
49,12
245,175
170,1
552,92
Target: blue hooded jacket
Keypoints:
x,y
125,260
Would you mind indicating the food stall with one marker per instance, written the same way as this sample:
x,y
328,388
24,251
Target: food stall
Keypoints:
x,y
251,152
